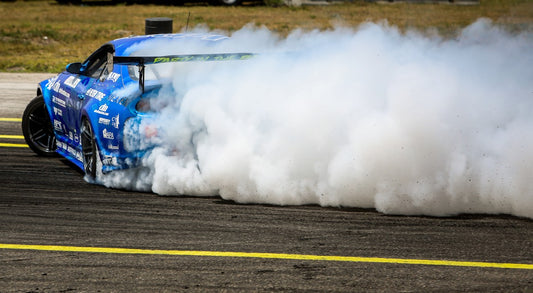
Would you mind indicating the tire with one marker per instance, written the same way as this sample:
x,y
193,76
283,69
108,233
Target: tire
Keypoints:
x,y
37,128
89,150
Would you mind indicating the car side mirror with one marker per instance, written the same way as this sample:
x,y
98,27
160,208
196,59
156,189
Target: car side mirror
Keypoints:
x,y
74,68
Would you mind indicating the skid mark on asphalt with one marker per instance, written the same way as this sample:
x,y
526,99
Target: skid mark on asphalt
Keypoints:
x,y
307,257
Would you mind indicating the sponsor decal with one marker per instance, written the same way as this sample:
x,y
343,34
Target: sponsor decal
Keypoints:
x,y
74,152
56,86
112,147
59,102
72,81
116,121
110,160
58,126
95,94
51,83
58,112
212,57
63,92
102,110
108,134
74,136
118,100
107,160
113,76
104,121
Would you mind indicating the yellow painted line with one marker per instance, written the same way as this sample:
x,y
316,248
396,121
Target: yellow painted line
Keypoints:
x,y
269,256
13,145
10,119
11,136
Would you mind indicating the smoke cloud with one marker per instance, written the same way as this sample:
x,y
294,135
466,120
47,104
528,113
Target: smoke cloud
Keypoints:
x,y
371,117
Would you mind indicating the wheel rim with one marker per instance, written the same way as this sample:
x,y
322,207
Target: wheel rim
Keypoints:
x,y
41,131
88,150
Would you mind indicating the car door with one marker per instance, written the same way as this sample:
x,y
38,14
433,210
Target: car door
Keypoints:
x,y
82,89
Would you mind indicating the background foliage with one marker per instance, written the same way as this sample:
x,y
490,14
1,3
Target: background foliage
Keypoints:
x,y
43,36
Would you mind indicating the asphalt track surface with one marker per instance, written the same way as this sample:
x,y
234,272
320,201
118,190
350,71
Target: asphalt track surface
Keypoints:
x,y
61,234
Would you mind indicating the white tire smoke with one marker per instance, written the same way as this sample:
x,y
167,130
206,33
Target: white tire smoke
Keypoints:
x,y
373,118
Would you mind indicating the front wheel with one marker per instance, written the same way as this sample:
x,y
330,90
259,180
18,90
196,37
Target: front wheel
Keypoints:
x,y
37,128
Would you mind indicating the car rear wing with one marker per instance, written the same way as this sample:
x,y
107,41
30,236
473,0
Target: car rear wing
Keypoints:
x,y
142,61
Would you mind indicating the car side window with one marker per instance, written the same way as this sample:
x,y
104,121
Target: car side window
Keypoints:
x,y
95,68
96,63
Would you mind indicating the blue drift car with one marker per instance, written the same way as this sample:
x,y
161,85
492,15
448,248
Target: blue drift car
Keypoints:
x,y
89,113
